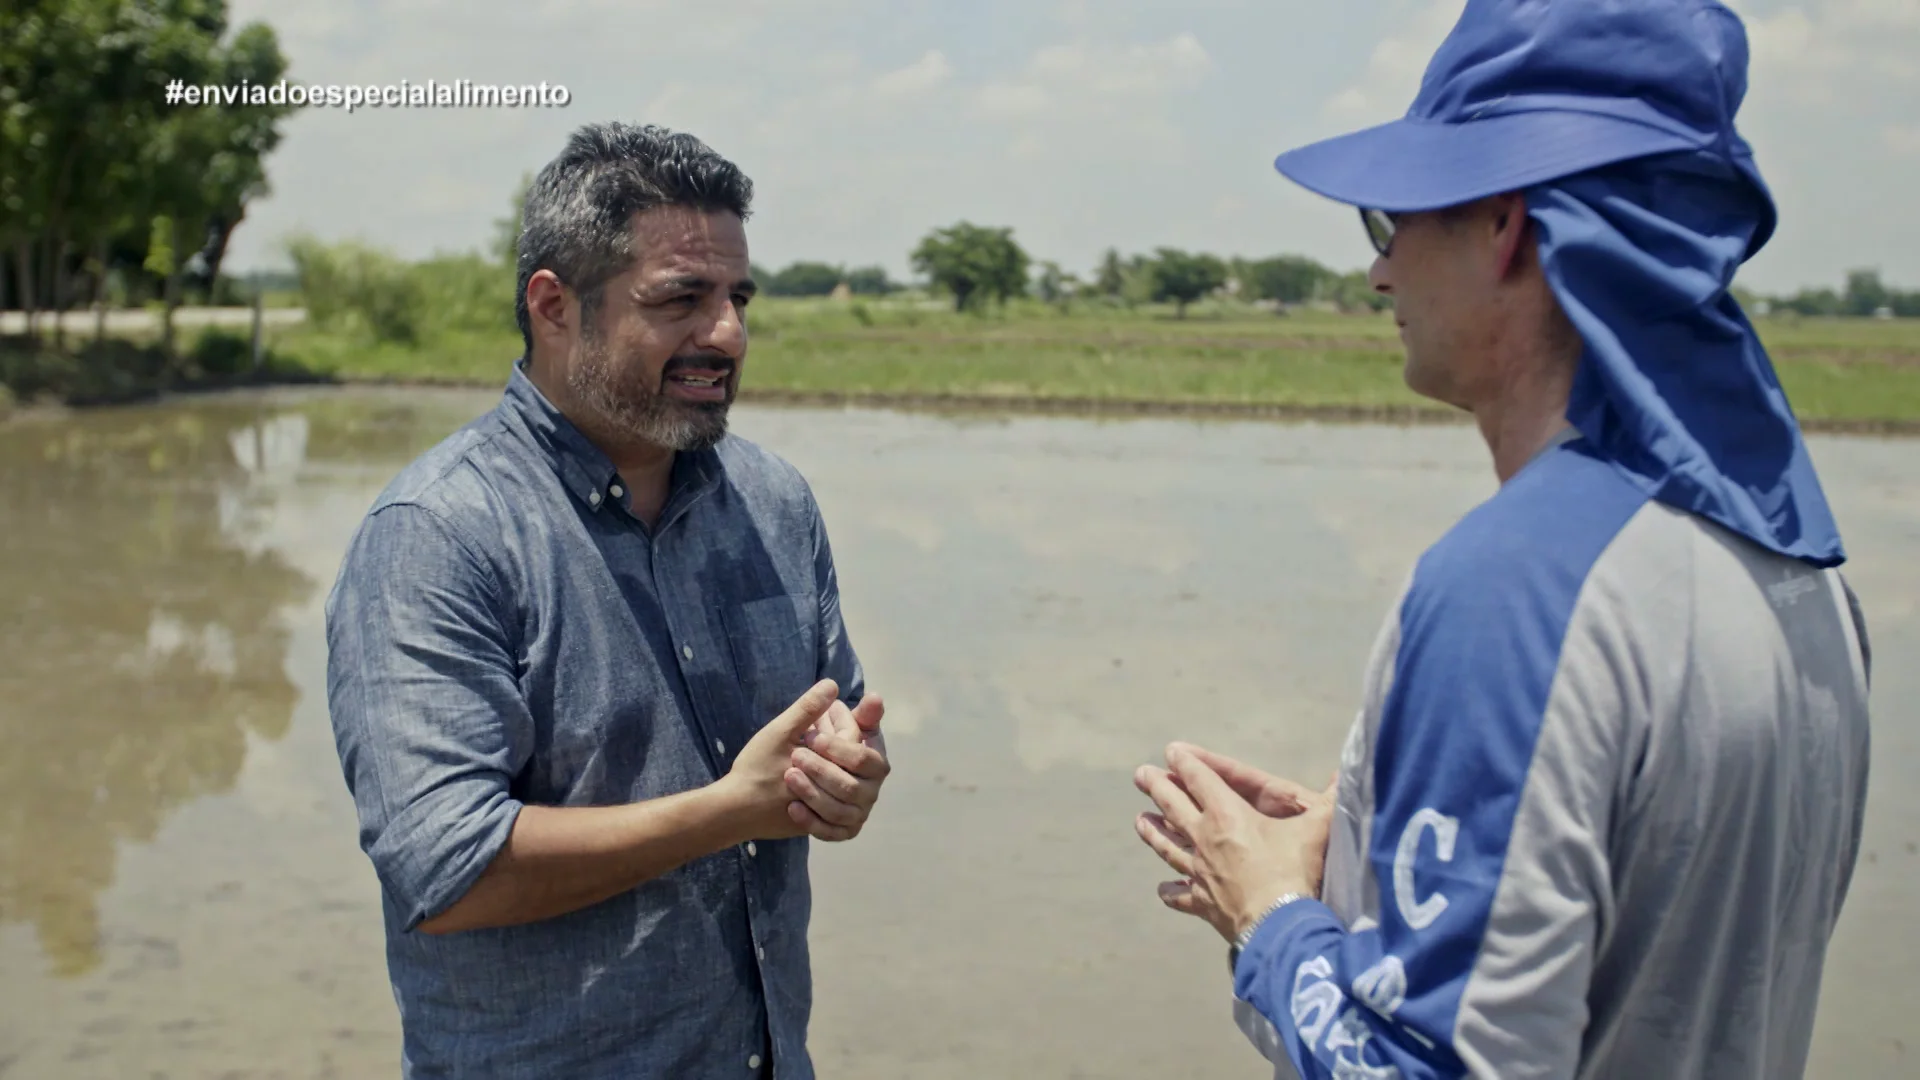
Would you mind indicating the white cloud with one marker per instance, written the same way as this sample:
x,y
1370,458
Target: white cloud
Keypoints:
x,y
1834,53
925,74
1392,76
1902,140
1085,73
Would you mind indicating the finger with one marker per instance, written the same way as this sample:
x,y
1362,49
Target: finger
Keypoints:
x,y
1172,801
802,714
867,714
818,827
834,780
1154,830
1184,897
863,761
833,810
1271,795
842,721
1201,782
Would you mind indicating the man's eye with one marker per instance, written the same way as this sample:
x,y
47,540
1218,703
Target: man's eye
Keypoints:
x,y
740,300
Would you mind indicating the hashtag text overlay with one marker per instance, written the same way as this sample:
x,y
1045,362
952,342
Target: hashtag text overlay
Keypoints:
x,y
460,93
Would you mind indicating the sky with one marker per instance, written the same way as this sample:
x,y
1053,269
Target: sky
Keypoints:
x,y
1082,124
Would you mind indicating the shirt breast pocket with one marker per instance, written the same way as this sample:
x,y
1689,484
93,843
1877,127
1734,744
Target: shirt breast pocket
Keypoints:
x,y
775,646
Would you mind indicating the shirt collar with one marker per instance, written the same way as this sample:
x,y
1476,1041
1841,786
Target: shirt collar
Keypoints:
x,y
587,473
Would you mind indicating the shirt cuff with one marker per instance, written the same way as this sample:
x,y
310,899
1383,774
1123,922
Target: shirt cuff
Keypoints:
x,y
1271,937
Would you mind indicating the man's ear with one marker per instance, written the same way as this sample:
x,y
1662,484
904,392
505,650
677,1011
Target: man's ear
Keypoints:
x,y
548,302
1512,231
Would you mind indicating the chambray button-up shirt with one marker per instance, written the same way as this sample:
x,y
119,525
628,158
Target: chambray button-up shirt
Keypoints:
x,y
503,632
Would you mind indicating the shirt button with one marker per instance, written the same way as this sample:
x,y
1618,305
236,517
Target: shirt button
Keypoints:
x,y
751,850
720,747
616,492
753,1061
686,651
594,498
760,952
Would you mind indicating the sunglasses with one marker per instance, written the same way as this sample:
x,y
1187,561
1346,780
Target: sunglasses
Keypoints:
x,y
1380,229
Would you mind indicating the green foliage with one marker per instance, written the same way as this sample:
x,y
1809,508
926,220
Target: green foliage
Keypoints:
x,y
973,263
870,281
1111,279
1865,295
506,230
1352,292
97,173
1055,286
1287,279
804,279
354,287
357,289
820,279
1182,278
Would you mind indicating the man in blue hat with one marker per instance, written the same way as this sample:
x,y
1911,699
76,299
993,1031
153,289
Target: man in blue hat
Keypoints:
x,y
1600,808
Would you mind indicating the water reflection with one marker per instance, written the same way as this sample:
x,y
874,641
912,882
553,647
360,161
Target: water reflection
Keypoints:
x,y
142,646
1044,602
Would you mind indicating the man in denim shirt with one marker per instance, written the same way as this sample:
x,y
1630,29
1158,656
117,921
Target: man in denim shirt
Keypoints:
x,y
587,672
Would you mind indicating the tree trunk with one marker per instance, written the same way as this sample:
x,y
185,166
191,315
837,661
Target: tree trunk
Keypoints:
x,y
100,289
62,279
23,264
219,234
178,272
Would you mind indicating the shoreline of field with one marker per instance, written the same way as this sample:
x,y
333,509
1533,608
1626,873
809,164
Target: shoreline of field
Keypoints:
x,y
1089,408
1225,363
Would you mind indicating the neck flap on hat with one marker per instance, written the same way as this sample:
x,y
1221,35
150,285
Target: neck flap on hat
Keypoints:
x,y
1674,387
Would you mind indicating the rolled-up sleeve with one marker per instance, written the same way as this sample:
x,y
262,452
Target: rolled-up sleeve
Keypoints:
x,y
427,711
837,658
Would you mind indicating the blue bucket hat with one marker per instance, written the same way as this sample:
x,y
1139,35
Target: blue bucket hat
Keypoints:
x,y
1615,118
1526,91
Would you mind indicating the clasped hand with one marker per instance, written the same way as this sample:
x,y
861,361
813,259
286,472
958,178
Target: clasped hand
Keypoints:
x,y
814,770
1240,838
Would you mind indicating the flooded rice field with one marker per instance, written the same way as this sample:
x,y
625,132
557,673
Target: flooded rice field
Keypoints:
x,y
1043,602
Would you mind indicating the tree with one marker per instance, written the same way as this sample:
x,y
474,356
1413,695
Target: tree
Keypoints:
x,y
1111,279
1055,286
1183,278
805,279
91,158
1354,293
1866,294
506,230
870,281
1287,279
974,263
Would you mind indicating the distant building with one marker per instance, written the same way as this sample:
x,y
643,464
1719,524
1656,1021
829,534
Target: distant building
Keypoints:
x,y
841,292
1883,313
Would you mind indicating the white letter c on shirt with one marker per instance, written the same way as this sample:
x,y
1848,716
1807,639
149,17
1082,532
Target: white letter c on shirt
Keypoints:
x,y
1421,913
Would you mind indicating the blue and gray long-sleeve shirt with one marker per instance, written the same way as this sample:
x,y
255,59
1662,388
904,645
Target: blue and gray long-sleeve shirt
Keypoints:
x,y
1598,813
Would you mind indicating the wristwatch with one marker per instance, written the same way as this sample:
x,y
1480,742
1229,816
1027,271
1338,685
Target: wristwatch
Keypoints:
x,y
1240,942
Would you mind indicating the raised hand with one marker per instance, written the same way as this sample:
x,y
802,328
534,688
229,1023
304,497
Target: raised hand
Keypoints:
x,y
1234,859
757,781
1271,795
837,773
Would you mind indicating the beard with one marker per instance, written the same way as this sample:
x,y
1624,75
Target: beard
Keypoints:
x,y
627,406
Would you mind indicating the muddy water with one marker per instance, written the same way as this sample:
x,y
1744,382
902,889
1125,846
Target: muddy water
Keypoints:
x,y
1043,602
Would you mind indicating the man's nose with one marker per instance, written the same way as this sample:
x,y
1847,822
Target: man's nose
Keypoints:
x,y
1378,278
727,333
